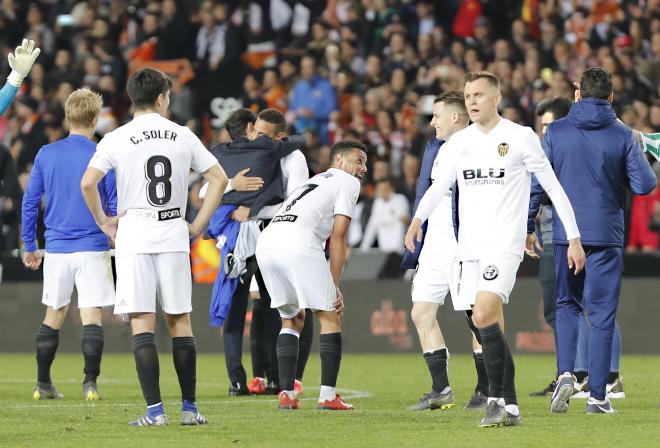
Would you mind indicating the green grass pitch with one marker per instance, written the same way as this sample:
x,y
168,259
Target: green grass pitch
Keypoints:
x,y
380,386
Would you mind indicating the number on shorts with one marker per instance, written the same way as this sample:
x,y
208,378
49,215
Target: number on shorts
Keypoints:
x,y
159,187
305,189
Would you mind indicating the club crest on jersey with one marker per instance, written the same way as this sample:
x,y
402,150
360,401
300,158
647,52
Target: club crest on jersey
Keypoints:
x,y
503,149
491,272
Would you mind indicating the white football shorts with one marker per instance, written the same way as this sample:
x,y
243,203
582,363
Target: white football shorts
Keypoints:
x,y
90,272
296,281
495,274
436,276
144,278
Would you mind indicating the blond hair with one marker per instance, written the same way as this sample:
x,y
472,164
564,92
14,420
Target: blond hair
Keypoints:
x,y
82,107
488,76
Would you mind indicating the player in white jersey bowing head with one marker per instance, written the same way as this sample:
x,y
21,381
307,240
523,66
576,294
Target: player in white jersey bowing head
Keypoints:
x,y
290,253
152,157
493,160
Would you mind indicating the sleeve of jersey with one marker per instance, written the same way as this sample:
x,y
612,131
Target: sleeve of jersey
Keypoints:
x,y
7,94
347,198
562,205
298,173
533,156
423,181
101,160
31,202
437,190
202,159
641,177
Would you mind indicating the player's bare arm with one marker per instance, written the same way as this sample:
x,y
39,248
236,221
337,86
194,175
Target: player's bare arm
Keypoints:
x,y
338,247
217,180
90,192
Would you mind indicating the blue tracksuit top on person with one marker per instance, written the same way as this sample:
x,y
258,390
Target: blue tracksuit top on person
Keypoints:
x,y
595,156
56,173
410,259
7,94
317,95
221,225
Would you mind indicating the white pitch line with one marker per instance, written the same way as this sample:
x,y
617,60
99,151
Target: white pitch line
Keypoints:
x,y
348,394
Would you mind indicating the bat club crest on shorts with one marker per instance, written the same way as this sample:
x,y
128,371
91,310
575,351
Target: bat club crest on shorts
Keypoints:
x,y
491,272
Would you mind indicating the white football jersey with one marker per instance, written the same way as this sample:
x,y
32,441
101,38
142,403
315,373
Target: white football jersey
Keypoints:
x,y
152,157
494,177
304,222
294,174
440,238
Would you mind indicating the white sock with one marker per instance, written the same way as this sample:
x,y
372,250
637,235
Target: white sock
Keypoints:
x,y
436,349
512,409
327,393
499,401
290,331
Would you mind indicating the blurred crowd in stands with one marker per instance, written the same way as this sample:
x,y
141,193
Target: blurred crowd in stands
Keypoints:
x,y
364,69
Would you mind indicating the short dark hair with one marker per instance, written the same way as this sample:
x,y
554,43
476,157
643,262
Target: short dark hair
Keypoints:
x,y
452,98
145,85
596,82
238,121
345,146
558,107
488,76
274,117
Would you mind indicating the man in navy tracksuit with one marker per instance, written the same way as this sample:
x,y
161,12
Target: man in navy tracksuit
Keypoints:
x,y
594,156
77,251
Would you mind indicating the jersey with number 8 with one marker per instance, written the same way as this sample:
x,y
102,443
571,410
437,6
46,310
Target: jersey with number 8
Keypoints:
x,y
152,157
304,222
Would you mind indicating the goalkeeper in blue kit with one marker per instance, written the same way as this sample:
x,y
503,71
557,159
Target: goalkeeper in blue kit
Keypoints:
x,y
21,62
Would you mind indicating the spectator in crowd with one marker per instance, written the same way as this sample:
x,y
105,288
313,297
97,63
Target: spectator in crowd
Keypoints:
x,y
642,211
312,101
343,69
31,134
409,175
389,219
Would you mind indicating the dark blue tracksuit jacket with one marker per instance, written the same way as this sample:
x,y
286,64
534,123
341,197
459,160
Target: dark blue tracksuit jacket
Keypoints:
x,y
595,158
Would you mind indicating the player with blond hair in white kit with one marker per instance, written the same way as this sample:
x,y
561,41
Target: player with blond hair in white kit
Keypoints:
x,y
290,253
152,157
493,160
